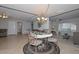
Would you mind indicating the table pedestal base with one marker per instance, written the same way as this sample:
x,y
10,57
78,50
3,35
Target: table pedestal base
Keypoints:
x,y
49,48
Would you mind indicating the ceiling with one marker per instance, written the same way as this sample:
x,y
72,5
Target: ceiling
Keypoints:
x,y
31,11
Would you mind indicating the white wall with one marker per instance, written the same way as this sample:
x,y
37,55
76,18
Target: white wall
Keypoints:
x,y
26,27
3,24
11,25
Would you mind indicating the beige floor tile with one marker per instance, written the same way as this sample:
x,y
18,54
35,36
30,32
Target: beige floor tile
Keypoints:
x,y
14,45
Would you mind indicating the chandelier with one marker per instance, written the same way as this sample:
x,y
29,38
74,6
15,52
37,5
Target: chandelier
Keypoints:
x,y
41,20
3,16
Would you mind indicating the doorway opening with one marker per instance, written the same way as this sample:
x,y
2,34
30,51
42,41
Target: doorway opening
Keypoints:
x,y
19,28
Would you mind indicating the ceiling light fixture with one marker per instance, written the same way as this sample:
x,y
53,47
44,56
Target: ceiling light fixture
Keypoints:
x,y
3,16
41,20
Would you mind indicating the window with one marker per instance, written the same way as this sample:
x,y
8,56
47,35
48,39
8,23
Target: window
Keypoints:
x,y
67,28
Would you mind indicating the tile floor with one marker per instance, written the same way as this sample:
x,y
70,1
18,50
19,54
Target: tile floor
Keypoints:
x,y
14,45
67,47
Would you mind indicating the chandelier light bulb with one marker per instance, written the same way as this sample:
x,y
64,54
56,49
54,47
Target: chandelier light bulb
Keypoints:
x,y
4,16
43,18
38,19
